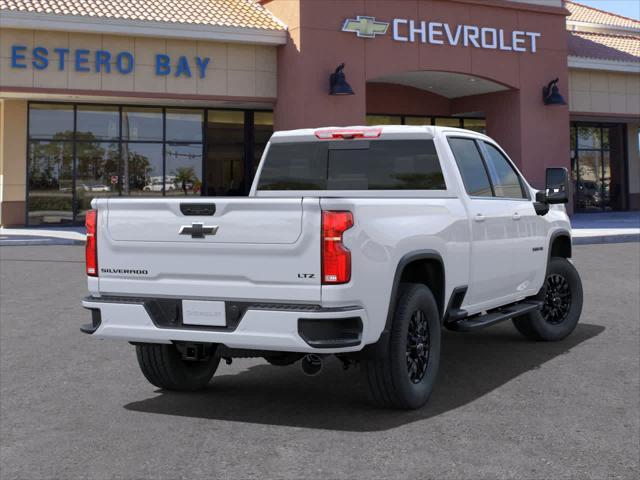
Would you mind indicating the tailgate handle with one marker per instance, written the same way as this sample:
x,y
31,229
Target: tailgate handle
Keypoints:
x,y
198,209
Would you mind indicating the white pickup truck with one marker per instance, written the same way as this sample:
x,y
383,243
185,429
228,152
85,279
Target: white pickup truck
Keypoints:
x,y
361,242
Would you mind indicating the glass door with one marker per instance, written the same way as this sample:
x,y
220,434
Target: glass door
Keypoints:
x,y
597,158
97,156
50,182
235,142
50,167
225,153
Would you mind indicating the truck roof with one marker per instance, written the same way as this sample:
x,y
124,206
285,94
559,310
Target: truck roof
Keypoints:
x,y
391,131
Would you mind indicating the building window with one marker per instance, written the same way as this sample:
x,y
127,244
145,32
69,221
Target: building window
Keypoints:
x,y
142,124
143,169
97,172
50,172
184,125
184,168
225,161
98,123
262,131
598,166
418,121
51,122
475,124
384,120
184,151
448,122
78,152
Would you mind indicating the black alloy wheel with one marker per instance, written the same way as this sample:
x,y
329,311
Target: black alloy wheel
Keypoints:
x,y
561,297
418,346
557,299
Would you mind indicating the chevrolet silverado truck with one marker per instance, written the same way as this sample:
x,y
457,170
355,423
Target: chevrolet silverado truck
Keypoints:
x,y
361,242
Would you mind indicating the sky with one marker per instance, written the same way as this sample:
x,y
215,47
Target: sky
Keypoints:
x,y
628,8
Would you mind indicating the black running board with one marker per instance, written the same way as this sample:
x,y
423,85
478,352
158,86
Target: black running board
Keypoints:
x,y
478,322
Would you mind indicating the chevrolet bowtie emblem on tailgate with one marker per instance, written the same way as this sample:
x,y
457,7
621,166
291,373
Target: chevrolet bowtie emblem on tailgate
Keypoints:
x,y
198,230
365,27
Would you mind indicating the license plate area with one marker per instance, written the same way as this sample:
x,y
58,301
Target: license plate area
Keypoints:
x,y
204,313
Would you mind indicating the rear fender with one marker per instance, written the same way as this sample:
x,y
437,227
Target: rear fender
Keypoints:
x,y
400,269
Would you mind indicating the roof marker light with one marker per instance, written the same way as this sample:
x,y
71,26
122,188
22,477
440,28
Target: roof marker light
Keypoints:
x,y
348,133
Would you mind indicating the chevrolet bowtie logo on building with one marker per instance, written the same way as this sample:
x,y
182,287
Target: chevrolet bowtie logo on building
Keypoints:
x,y
365,27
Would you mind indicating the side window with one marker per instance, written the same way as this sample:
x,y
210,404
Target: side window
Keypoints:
x,y
471,166
504,178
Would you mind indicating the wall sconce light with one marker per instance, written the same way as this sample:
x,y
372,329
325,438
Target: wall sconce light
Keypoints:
x,y
338,83
551,94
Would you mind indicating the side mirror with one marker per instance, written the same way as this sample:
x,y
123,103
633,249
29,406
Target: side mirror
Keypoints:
x,y
557,186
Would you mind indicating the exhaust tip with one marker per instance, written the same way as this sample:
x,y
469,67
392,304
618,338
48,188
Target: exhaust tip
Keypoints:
x,y
311,365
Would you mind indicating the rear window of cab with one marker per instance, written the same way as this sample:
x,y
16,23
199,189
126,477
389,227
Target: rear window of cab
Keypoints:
x,y
352,165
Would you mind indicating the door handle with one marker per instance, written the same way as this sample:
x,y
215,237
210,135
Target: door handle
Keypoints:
x,y
516,216
479,217
197,209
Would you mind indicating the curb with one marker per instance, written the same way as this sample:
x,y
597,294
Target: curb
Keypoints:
x,y
22,242
630,238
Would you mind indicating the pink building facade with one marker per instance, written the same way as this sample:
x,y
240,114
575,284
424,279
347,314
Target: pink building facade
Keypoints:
x,y
181,98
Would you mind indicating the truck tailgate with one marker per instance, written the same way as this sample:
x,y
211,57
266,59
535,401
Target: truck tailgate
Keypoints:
x,y
254,249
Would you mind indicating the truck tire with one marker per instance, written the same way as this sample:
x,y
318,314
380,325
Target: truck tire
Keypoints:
x,y
562,297
402,367
163,366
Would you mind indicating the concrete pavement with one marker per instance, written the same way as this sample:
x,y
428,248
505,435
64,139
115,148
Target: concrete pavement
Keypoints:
x,y
74,407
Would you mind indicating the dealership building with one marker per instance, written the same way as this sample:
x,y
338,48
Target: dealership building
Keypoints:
x,y
179,97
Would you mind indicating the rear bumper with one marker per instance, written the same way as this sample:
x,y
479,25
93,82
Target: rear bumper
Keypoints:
x,y
259,327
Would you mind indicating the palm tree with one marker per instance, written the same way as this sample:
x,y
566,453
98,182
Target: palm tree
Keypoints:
x,y
185,176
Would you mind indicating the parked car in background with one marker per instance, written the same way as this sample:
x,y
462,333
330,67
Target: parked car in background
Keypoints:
x,y
96,187
156,186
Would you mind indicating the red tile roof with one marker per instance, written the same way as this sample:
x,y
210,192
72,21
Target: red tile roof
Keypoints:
x,y
582,13
225,13
624,48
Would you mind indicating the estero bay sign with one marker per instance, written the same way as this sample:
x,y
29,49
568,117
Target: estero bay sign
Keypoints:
x,y
98,61
439,33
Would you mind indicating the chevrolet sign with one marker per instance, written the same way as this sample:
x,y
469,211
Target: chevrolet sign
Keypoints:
x,y
437,33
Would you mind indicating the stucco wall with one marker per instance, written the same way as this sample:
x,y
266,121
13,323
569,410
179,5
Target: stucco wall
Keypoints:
x,y
388,98
235,70
535,136
592,91
13,161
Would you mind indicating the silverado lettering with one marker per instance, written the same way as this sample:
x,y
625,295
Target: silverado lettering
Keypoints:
x,y
124,271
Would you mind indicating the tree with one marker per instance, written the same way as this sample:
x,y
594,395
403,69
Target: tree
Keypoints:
x,y
50,162
185,178
139,169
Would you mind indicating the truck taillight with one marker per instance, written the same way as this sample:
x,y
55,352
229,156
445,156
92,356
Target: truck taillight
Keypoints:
x,y
336,258
91,249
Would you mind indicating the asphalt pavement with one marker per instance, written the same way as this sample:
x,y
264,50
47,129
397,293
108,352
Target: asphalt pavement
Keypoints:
x,y
75,407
